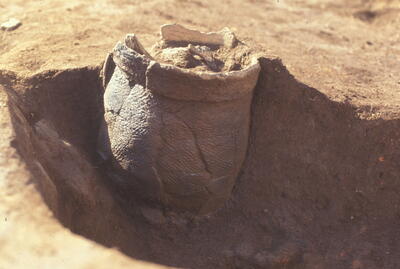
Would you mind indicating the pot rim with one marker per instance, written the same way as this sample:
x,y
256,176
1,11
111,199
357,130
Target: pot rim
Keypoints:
x,y
179,33
207,75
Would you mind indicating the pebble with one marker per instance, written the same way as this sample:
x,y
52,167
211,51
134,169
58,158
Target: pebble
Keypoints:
x,y
10,25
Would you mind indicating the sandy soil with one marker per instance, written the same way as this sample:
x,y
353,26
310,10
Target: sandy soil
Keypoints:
x,y
323,163
329,45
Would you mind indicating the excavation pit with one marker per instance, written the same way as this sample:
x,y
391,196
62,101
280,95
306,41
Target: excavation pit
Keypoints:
x,y
315,177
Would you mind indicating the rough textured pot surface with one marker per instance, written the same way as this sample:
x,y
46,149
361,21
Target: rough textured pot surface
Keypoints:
x,y
175,135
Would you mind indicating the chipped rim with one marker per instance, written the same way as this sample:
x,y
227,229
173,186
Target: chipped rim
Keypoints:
x,y
254,65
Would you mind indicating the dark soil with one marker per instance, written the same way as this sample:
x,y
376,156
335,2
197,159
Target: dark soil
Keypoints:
x,y
318,189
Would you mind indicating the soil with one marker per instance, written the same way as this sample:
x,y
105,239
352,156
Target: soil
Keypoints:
x,y
204,58
320,184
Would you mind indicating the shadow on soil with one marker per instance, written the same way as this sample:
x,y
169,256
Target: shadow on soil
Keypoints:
x,y
316,189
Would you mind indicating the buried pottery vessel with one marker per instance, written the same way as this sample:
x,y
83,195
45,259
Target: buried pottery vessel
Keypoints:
x,y
176,124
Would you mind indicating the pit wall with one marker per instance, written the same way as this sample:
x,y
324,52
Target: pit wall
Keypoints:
x,y
315,173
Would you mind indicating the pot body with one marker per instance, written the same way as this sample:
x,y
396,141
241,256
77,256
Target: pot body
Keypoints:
x,y
173,135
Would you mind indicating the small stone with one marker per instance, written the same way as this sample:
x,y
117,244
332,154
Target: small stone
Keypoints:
x,y
10,25
153,215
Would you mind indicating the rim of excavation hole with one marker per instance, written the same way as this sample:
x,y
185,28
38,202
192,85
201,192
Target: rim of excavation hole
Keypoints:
x,y
308,100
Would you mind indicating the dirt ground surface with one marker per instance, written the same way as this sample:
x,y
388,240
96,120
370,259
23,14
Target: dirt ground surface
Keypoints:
x,y
320,184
